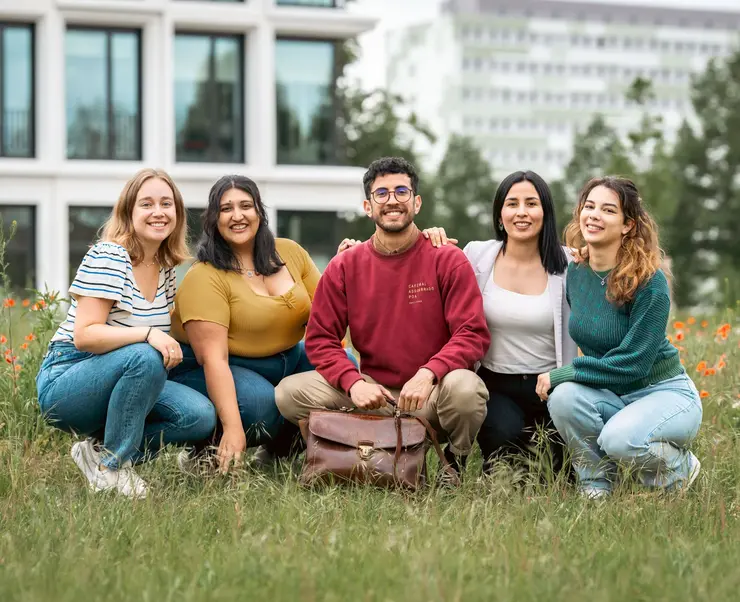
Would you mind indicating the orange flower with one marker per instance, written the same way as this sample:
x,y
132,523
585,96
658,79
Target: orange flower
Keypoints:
x,y
679,325
26,302
24,346
3,340
683,361
704,323
7,359
721,365
670,338
712,372
31,337
691,320
9,302
680,336
706,372
701,366
17,368
704,394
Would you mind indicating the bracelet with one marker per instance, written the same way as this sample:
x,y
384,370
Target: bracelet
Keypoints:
x,y
148,332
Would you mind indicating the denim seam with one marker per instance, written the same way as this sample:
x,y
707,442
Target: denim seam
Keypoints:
x,y
683,410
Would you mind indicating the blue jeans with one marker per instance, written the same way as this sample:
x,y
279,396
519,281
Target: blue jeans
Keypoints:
x,y
123,395
255,379
649,429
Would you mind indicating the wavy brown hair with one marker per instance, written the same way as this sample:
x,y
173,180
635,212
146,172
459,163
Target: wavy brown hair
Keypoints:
x,y
639,255
120,226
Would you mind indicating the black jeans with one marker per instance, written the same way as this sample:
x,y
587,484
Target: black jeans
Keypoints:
x,y
515,415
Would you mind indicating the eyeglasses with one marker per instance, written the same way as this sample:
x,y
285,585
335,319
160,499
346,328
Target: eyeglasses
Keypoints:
x,y
382,195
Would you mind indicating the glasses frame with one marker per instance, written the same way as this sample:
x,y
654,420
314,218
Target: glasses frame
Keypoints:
x,y
392,192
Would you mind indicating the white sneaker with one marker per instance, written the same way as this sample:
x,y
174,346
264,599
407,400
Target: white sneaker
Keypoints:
x,y
694,469
594,493
124,480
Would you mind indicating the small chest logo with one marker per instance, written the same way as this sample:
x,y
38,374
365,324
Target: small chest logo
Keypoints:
x,y
417,292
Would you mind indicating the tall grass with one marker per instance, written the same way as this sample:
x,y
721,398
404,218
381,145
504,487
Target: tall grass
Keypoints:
x,y
259,536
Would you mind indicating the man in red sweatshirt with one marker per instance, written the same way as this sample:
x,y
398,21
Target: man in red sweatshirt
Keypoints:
x,y
415,315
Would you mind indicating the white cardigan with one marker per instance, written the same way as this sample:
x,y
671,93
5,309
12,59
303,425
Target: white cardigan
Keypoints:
x,y
482,255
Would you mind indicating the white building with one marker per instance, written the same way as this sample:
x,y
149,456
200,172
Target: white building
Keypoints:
x,y
93,90
522,76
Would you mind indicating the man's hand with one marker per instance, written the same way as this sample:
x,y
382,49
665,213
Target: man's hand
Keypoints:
x,y
543,386
369,396
416,391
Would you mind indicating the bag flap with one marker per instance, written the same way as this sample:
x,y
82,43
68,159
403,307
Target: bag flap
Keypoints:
x,y
351,429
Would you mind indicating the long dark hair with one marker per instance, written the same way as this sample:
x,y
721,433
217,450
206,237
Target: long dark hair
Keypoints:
x,y
213,249
552,254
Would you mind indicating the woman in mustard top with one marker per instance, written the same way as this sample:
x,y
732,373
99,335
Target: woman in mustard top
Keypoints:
x,y
240,315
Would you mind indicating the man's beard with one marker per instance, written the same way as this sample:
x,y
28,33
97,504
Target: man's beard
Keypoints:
x,y
394,227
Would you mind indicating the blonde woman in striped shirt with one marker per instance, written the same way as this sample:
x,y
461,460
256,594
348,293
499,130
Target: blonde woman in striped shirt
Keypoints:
x,y
105,373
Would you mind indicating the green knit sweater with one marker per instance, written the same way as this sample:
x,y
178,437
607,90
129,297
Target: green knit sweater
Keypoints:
x,y
624,348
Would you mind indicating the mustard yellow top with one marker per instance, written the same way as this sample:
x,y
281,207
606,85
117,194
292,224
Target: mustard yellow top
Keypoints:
x,y
258,325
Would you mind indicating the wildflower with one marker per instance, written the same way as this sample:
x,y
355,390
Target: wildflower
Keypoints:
x,y
17,367
691,320
31,337
24,346
9,302
704,394
26,302
721,365
679,325
3,339
670,338
680,336
706,372
683,361
701,366
7,359
712,372
704,323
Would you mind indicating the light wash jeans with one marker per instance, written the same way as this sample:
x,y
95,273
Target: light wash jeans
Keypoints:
x,y
122,397
649,429
255,379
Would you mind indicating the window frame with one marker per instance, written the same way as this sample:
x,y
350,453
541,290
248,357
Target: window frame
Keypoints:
x,y
33,246
108,31
339,159
32,104
212,37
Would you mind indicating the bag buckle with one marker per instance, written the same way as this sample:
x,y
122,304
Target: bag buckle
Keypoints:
x,y
365,449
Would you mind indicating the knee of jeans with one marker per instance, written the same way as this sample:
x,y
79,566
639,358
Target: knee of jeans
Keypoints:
x,y
206,420
146,359
620,444
562,402
465,391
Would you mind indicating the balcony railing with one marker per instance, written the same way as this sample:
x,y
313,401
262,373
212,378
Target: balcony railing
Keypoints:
x,y
17,134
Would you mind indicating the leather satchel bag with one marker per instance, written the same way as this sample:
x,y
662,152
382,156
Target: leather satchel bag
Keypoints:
x,y
386,451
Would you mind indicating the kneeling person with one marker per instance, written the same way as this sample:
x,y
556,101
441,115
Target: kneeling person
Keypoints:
x,y
416,317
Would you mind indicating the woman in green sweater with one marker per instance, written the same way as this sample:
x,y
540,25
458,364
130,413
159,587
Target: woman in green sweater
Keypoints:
x,y
627,400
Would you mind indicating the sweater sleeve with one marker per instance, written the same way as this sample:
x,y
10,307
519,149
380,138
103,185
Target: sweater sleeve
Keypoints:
x,y
326,329
463,310
634,357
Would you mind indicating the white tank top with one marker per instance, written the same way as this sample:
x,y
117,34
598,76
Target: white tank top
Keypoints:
x,y
522,331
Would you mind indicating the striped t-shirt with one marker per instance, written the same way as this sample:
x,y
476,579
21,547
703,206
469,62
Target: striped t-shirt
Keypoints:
x,y
106,272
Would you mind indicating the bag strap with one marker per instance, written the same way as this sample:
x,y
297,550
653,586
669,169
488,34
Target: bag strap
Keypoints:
x,y
451,472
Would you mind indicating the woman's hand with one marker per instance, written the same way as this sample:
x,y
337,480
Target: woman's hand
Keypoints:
x,y
543,386
167,346
438,237
347,243
232,446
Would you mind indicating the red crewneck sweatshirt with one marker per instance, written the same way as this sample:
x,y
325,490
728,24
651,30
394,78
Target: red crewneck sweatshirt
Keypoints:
x,y
419,308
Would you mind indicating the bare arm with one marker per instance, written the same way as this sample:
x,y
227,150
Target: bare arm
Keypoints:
x,y
210,344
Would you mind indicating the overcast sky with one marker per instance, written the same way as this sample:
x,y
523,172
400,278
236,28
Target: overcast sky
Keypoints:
x,y
394,14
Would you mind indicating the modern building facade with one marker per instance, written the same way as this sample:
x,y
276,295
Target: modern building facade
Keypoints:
x,y
521,77
93,90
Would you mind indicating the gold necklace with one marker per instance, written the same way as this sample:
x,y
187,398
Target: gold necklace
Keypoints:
x,y
148,265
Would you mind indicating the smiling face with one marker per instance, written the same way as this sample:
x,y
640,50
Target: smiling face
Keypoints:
x,y
154,215
392,215
238,219
602,219
522,213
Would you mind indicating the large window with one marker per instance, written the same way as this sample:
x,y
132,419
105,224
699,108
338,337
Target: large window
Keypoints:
x,y
315,231
20,252
306,73
103,70
16,90
209,93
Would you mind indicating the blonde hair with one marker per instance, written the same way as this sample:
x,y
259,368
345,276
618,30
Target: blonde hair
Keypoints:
x,y
639,256
120,227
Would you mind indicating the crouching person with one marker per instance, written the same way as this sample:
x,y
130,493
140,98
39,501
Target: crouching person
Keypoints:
x,y
105,372
416,317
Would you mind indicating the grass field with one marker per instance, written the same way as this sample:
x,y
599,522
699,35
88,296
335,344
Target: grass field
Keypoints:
x,y
259,536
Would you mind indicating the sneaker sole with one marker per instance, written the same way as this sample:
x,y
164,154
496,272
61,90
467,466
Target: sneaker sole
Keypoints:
x,y
694,474
84,463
